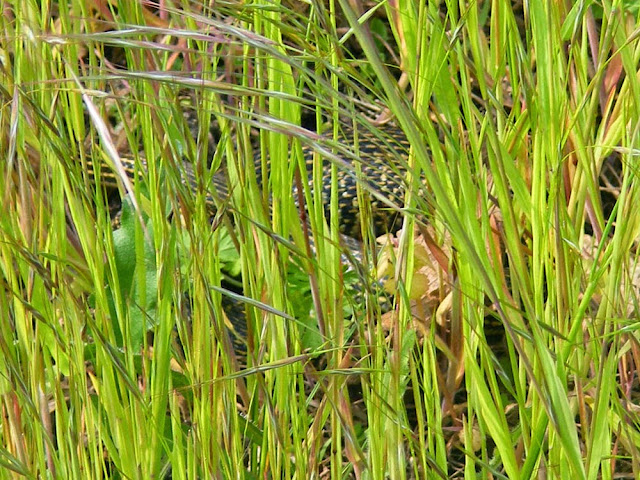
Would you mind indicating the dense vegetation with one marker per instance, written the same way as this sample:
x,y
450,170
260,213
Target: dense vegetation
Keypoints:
x,y
493,336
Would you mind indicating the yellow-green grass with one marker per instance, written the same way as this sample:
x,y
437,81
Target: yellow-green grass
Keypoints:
x,y
115,355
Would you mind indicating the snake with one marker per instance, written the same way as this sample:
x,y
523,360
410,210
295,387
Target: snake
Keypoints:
x,y
382,158
383,162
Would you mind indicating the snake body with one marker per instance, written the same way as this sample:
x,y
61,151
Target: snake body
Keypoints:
x,y
382,168
382,162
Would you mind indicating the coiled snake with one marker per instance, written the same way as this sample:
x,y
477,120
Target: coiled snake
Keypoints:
x,y
382,168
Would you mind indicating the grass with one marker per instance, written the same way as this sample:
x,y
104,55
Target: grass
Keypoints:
x,y
117,360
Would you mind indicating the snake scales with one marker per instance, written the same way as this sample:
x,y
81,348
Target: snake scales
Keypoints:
x,y
381,170
383,167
